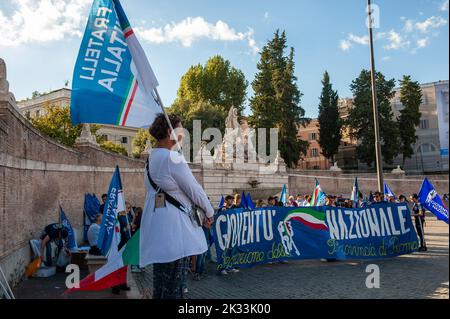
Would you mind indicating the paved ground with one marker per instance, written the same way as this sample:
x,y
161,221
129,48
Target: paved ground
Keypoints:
x,y
418,275
54,287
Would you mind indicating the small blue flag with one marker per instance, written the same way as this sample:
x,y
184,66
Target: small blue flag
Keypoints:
x,y
222,203
431,200
388,192
244,203
114,204
71,242
283,195
250,202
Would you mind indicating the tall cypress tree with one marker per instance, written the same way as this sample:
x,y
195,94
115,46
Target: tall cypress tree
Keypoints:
x,y
409,119
276,99
360,119
330,123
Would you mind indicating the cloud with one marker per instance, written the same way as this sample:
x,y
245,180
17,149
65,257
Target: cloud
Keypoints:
x,y
386,58
395,41
43,21
364,40
422,43
444,6
189,30
266,15
410,37
409,26
431,22
345,45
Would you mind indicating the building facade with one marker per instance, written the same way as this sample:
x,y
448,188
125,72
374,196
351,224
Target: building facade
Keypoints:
x,y
431,147
314,158
35,107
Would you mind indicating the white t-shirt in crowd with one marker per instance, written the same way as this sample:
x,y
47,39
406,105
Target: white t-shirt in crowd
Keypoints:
x,y
168,234
92,234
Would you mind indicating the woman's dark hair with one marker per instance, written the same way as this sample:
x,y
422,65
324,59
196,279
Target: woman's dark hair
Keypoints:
x,y
160,128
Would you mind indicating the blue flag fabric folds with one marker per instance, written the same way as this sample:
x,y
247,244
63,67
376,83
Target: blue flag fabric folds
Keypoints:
x,y
113,82
388,192
250,203
431,200
221,203
115,203
71,242
283,195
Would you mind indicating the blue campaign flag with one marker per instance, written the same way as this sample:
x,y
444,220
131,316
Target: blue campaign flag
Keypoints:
x,y
244,203
388,192
71,242
115,203
222,203
250,203
113,82
283,195
431,200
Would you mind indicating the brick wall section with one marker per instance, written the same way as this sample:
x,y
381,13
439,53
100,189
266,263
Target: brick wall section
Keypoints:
x,y
37,174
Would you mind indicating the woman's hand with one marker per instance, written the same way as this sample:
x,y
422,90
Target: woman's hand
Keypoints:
x,y
208,222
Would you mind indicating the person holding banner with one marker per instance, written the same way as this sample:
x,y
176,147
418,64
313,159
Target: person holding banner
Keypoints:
x,y
172,231
419,220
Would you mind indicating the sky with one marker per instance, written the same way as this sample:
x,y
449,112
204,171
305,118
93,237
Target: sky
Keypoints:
x,y
39,39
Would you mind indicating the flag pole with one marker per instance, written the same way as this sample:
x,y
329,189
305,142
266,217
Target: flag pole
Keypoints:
x,y
375,105
174,136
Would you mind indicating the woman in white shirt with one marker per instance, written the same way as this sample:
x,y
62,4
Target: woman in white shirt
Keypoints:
x,y
170,236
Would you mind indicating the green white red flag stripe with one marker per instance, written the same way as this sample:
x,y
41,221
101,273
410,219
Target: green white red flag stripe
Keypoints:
x,y
308,217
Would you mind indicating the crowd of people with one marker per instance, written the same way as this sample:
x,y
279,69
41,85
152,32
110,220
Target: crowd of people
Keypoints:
x,y
177,244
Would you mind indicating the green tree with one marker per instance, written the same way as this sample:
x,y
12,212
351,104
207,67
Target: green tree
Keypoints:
x,y
360,119
140,142
409,119
330,123
217,83
114,147
276,99
55,123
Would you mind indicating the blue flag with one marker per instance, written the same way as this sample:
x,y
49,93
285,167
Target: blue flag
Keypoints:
x,y
355,191
113,82
71,242
431,200
388,192
115,203
250,202
283,195
244,203
222,203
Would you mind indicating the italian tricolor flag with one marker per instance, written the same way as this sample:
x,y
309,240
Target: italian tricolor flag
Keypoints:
x,y
114,272
308,217
318,197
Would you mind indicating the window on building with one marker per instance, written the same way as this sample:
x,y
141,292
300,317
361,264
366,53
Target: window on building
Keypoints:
x,y
424,124
104,137
427,148
124,140
314,152
27,114
38,113
312,136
